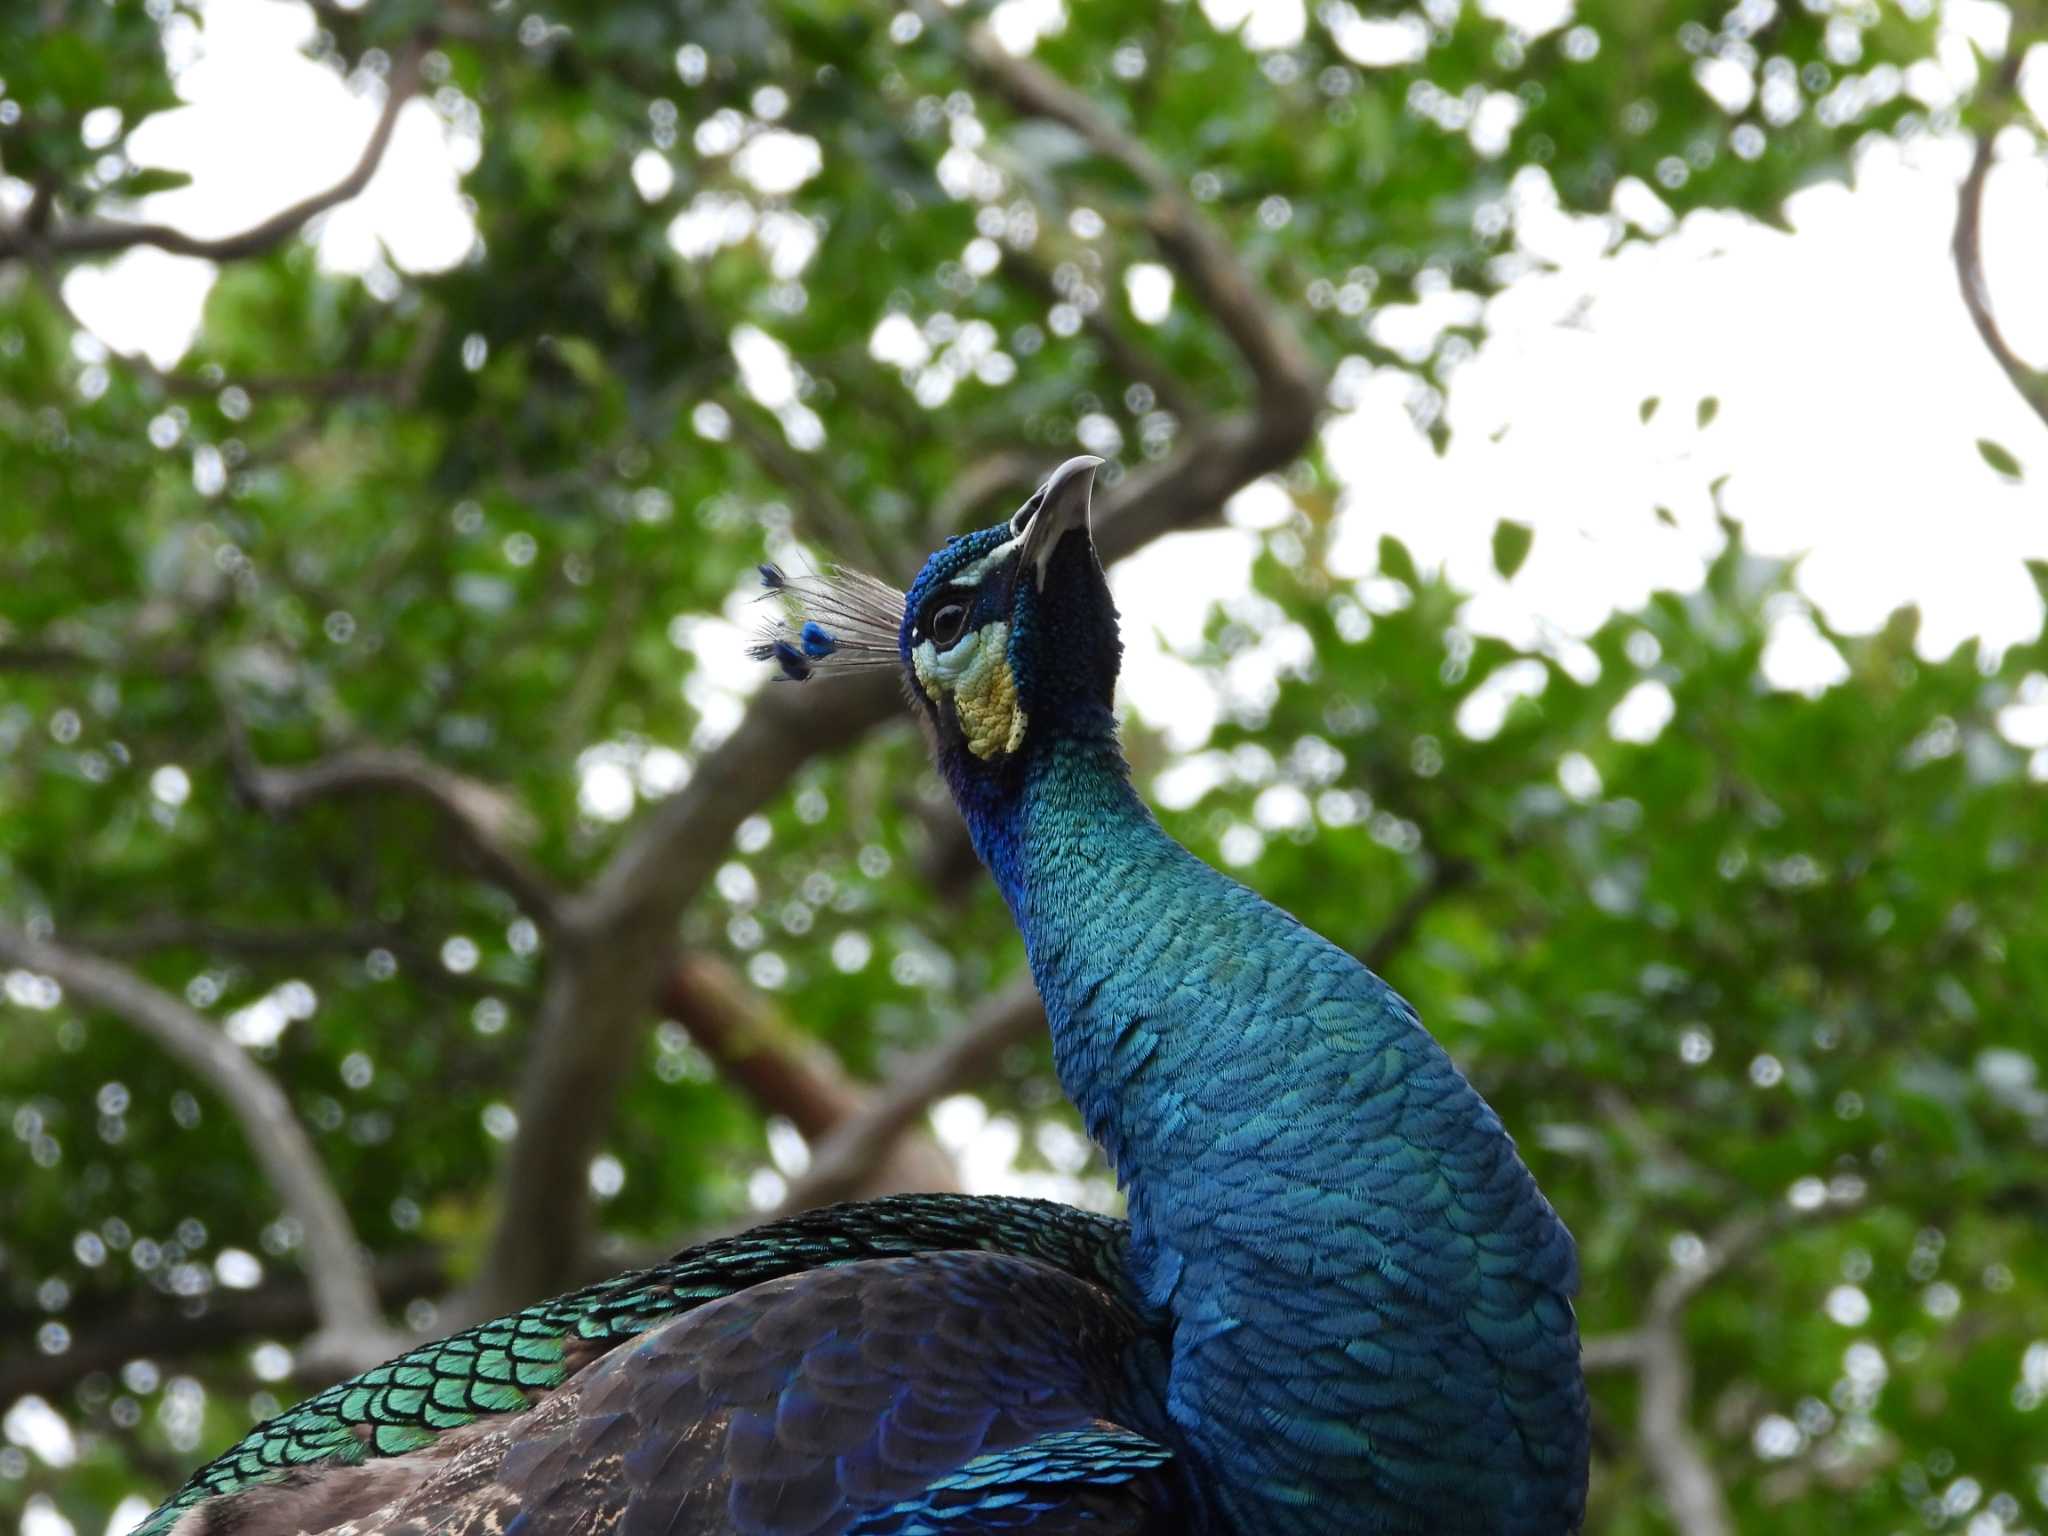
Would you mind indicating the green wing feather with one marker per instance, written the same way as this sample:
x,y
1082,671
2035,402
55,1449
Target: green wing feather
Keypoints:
x,y
507,1365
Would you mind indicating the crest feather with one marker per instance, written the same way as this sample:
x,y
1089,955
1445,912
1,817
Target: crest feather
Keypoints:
x,y
836,620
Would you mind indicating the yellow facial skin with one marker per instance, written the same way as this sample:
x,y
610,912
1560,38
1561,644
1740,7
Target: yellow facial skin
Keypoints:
x,y
975,674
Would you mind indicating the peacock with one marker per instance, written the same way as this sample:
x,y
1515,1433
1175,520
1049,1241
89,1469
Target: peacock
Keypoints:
x,y
1339,1303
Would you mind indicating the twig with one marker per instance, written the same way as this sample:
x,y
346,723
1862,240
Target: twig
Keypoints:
x,y
1446,875
100,236
788,1074
485,820
1287,378
163,1328
400,385
53,656
1133,362
1967,244
598,988
344,1298
821,510
844,1161
156,933
1657,1352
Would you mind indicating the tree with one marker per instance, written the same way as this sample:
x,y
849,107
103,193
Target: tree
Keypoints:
x,y
408,912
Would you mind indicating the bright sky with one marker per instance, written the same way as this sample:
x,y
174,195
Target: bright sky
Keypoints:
x,y
1852,392
1852,387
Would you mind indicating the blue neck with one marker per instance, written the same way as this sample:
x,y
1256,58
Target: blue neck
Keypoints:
x,y
1138,948
1310,1181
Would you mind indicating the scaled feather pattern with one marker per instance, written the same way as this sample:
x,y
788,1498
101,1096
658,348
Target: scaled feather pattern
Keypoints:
x,y
1339,1306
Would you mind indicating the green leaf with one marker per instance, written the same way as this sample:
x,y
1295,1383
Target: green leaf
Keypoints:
x,y
2000,458
1395,561
141,183
1709,408
1511,541
488,570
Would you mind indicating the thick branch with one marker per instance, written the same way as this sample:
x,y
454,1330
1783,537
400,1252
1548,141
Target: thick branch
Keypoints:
x,y
344,1298
782,1072
1287,378
162,1329
599,988
847,1158
1657,1351
484,820
1692,1494
1445,877
1967,244
789,1074
822,512
1126,357
100,236
605,974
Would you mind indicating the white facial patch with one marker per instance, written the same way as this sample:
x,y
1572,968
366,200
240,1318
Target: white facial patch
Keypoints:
x,y
971,575
975,673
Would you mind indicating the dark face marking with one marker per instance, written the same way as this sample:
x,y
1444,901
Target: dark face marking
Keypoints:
x,y
945,619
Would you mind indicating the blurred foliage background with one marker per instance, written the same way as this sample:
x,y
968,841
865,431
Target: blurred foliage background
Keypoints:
x,y
408,907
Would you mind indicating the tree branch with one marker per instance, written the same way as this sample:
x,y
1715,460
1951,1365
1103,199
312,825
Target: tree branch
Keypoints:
x,y
151,934
1967,244
847,1159
1013,469
100,236
1132,361
789,1074
1610,1352
605,973
44,656
1692,1494
599,987
344,1299
484,820
1288,382
163,1328
782,1072
1445,877
1656,1351
821,511
154,933
400,385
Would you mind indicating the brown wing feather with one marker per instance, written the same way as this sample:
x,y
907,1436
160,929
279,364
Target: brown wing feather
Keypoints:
x,y
801,1405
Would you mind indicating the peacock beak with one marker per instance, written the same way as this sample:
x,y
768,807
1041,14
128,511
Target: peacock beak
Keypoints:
x,y
1063,507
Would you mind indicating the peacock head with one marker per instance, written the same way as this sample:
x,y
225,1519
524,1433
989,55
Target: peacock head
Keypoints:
x,y
1007,638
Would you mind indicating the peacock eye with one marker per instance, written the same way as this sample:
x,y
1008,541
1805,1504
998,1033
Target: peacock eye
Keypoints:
x,y
946,622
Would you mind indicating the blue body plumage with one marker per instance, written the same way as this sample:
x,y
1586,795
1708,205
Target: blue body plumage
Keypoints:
x,y
1340,1303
